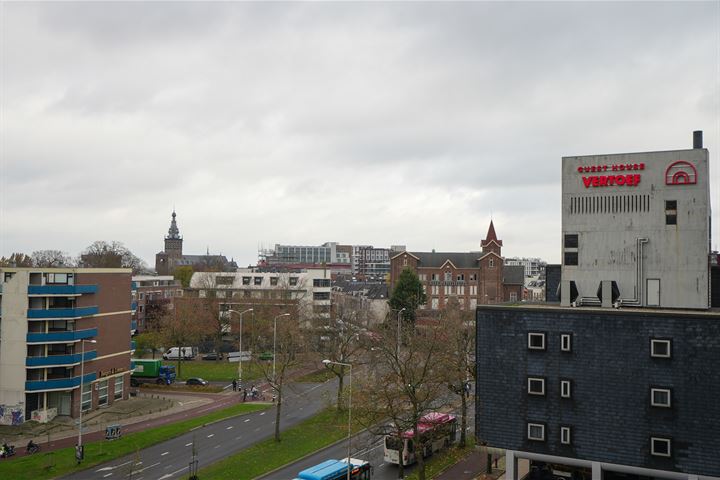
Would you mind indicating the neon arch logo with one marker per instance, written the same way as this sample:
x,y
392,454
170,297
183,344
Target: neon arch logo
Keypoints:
x,y
681,173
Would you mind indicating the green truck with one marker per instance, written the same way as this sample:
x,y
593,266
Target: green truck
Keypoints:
x,y
151,371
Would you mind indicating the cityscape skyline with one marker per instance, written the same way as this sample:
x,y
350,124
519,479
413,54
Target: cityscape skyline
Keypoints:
x,y
379,124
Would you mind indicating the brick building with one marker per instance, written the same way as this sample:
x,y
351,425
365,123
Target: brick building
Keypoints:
x,y
474,278
49,315
151,297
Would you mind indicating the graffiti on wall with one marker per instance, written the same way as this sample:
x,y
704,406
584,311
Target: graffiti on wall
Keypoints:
x,y
12,414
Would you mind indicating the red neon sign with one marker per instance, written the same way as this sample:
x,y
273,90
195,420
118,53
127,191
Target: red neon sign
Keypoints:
x,y
681,173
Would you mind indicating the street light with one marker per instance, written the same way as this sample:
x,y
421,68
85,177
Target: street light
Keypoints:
x,y
398,335
330,362
275,341
240,342
82,378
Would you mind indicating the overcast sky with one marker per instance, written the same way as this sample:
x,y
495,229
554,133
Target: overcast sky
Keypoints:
x,y
361,123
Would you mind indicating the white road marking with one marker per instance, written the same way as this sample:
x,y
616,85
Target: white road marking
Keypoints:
x,y
262,413
238,438
216,446
229,428
149,466
163,454
257,429
211,435
105,476
105,469
168,475
247,420
188,444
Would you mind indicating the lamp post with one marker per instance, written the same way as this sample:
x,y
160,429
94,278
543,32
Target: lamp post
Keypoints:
x,y
398,334
349,365
275,341
240,342
82,378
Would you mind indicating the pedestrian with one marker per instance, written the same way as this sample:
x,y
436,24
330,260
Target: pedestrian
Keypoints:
x,y
244,394
234,385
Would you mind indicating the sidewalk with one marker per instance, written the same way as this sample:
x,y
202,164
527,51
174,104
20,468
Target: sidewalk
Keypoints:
x,y
474,467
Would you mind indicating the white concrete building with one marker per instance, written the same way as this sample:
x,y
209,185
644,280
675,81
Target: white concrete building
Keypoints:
x,y
636,229
310,288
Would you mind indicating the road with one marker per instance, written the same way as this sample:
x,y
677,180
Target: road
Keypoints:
x,y
170,459
364,446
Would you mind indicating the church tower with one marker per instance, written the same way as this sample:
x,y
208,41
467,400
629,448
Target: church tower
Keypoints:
x,y
491,242
173,240
166,260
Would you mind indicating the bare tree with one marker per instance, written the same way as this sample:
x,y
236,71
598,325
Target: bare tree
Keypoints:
x,y
179,327
289,343
16,260
101,254
341,341
406,383
51,258
459,338
211,293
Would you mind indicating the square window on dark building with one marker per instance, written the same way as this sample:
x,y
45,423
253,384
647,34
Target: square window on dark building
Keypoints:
x,y
536,341
571,258
660,348
660,447
571,240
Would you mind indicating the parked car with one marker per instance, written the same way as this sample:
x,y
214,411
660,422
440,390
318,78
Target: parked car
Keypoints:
x,y
212,356
180,353
196,381
266,356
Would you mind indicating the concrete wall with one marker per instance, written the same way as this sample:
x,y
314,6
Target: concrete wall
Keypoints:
x,y
13,337
611,371
609,219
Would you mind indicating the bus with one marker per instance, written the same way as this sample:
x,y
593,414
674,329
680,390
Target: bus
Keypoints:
x,y
337,470
436,431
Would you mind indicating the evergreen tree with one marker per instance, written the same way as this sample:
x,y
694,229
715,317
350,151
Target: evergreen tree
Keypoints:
x,y
408,294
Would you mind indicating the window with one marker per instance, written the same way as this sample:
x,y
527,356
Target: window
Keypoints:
x,y
274,281
118,387
293,281
670,212
536,386
246,280
566,342
571,240
321,282
225,280
565,388
565,435
473,276
461,278
660,397
448,276
178,293
660,348
59,278
434,303
491,264
102,392
86,397
321,295
513,296
660,447
142,296
571,258
536,431
536,341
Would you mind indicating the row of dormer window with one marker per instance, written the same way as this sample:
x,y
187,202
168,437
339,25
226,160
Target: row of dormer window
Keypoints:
x,y
659,347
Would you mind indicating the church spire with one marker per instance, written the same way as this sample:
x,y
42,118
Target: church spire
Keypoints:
x,y
173,231
491,233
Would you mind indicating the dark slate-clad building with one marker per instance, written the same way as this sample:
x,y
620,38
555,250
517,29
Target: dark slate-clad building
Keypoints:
x,y
621,380
628,391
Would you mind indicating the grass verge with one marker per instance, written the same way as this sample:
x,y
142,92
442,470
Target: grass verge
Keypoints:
x,y
308,436
62,462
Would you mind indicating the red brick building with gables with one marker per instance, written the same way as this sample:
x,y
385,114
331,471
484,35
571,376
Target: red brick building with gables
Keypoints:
x,y
474,278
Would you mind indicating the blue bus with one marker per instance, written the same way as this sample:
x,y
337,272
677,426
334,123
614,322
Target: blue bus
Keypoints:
x,y
337,470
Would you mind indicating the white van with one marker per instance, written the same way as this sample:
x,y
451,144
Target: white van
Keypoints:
x,y
177,353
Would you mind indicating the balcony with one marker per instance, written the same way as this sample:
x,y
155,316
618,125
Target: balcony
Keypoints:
x,y
61,289
59,360
58,383
133,325
77,312
62,336
132,345
133,306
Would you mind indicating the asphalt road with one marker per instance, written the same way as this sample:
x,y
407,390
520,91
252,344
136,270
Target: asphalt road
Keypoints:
x,y
364,446
170,459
